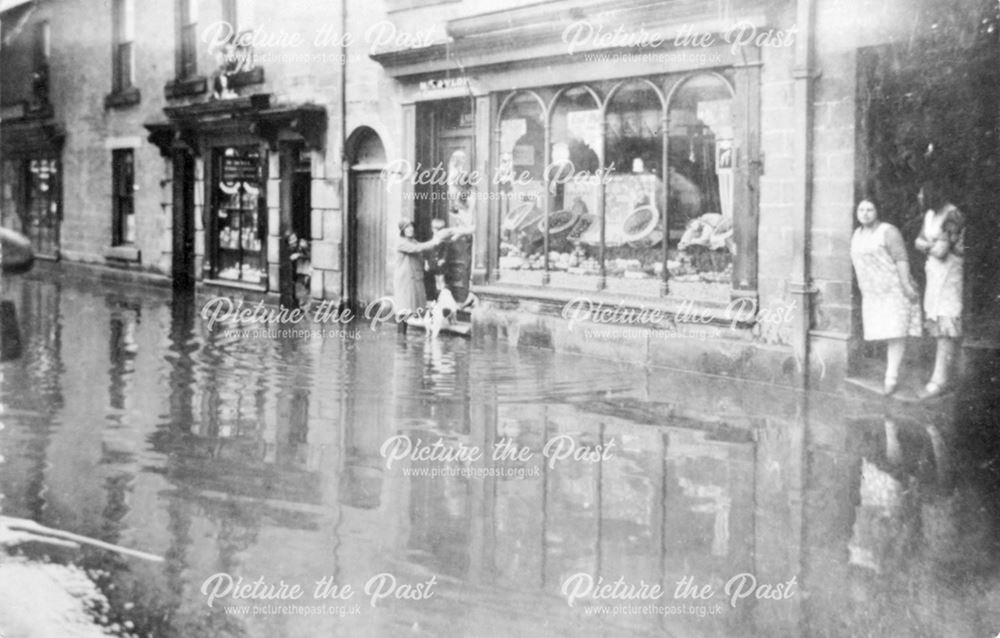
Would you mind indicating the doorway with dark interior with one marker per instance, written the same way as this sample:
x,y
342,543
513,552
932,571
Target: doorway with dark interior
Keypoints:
x,y
183,266
296,210
446,140
929,109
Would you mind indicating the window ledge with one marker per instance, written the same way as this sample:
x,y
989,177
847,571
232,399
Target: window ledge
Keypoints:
x,y
123,253
184,87
125,97
233,283
554,301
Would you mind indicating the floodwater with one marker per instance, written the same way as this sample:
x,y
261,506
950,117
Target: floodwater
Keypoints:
x,y
757,511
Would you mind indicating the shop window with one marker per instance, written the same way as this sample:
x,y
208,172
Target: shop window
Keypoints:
x,y
31,201
701,181
633,183
240,215
520,180
12,195
573,183
620,200
123,203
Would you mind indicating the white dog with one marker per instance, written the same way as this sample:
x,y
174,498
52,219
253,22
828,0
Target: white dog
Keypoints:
x,y
443,312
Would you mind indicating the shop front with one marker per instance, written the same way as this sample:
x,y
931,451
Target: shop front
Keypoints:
x,y
634,192
613,180
241,189
31,177
237,232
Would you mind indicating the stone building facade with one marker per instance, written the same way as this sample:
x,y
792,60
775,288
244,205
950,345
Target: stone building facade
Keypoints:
x,y
718,150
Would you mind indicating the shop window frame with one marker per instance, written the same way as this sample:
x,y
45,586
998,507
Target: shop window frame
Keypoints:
x,y
744,96
210,212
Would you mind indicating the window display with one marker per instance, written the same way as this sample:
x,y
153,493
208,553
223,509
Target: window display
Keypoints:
x,y
633,195
31,201
520,182
240,215
617,185
573,184
701,179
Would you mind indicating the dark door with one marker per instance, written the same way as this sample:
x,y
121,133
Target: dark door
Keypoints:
x,y
456,206
370,280
183,221
933,111
296,204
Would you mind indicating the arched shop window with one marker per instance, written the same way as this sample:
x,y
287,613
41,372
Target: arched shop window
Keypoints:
x,y
637,187
520,180
633,184
573,183
700,143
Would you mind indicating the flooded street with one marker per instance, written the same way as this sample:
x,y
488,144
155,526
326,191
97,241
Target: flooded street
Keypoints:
x,y
564,494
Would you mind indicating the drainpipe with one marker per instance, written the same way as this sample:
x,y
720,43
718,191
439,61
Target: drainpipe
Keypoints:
x,y
800,283
346,259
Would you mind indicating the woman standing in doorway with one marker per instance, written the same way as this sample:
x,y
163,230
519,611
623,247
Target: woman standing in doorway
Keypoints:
x,y
942,239
410,298
889,309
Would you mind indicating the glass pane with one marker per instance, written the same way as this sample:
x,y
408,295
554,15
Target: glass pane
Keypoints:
x,y
10,206
520,183
238,219
634,183
127,20
701,187
42,210
574,229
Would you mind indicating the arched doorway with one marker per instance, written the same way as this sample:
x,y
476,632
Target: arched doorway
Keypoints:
x,y
368,277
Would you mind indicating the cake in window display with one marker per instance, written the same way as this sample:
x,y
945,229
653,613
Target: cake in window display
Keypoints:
x,y
633,226
520,235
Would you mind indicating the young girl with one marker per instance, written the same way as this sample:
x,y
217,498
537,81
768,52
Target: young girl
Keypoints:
x,y
942,238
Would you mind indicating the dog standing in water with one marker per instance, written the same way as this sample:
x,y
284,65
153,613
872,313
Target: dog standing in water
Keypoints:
x,y
444,310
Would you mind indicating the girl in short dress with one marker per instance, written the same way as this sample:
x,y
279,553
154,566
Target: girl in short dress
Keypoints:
x,y
889,308
942,239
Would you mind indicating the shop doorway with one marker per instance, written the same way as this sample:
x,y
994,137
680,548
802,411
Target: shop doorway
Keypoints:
x,y
368,275
182,268
296,210
446,140
930,109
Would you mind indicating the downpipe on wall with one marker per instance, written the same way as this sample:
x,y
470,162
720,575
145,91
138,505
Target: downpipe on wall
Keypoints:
x,y
800,284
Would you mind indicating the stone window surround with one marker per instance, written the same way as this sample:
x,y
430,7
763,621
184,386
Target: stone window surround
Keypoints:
x,y
127,253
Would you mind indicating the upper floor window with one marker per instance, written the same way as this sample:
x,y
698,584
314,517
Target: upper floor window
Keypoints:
x,y
229,15
123,64
40,64
187,38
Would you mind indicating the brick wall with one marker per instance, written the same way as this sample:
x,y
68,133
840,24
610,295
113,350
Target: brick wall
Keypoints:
x,y
834,157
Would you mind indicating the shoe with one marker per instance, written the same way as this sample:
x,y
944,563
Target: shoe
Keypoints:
x,y
890,388
930,391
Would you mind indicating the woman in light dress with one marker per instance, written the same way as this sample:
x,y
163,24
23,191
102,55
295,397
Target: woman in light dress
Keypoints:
x,y
889,308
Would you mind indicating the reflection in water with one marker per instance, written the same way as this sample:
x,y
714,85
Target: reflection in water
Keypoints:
x,y
128,420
